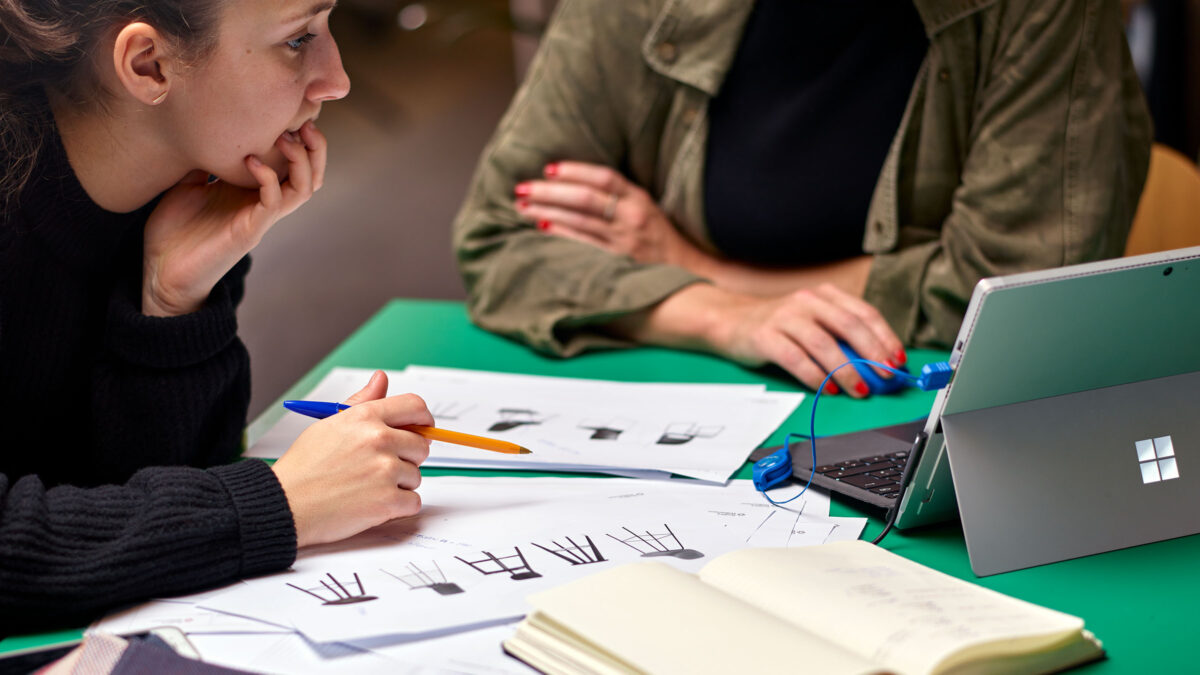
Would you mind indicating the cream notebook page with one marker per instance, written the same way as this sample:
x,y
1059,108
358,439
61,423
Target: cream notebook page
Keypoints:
x,y
884,607
661,620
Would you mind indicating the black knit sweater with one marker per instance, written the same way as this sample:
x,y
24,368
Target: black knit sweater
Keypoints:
x,y
91,393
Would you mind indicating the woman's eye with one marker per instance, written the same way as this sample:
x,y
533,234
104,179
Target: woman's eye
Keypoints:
x,y
298,43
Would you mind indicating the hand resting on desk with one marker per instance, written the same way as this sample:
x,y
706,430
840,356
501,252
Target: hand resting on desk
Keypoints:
x,y
798,331
356,469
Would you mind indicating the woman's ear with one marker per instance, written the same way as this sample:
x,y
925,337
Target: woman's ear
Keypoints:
x,y
139,58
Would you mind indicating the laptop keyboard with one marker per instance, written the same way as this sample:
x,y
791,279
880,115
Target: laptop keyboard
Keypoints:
x,y
879,474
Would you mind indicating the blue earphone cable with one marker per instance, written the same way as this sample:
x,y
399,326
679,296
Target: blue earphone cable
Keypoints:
x,y
933,376
787,444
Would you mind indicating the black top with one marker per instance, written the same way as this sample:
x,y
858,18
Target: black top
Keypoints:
x,y
91,391
802,124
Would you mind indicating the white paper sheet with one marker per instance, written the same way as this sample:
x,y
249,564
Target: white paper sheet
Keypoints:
x,y
476,652
703,431
187,616
480,545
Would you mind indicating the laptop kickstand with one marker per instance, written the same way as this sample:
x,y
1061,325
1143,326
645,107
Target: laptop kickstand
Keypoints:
x,y
914,455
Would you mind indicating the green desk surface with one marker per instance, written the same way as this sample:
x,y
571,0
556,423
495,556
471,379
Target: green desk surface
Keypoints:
x,y
1138,601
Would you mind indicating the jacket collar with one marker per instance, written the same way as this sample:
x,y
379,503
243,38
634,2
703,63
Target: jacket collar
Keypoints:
x,y
694,41
937,14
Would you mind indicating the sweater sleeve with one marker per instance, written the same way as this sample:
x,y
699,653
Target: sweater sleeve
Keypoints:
x,y
170,391
67,554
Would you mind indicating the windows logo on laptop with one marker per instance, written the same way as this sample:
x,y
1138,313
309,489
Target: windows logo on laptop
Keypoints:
x,y
1156,456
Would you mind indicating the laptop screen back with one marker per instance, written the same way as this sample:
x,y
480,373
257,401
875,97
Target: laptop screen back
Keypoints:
x,y
1040,359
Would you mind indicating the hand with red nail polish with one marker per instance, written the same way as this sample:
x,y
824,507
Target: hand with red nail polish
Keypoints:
x,y
596,205
799,331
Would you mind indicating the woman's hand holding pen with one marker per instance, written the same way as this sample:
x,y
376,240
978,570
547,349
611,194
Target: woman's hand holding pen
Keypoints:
x,y
357,469
199,230
596,205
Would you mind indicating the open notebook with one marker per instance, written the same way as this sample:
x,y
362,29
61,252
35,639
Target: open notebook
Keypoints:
x,y
847,607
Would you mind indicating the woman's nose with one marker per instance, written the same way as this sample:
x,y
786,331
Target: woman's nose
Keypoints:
x,y
331,82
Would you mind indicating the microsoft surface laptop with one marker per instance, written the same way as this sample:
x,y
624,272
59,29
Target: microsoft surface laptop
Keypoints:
x,y
1071,425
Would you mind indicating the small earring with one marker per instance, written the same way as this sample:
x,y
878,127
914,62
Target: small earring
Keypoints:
x,y
159,99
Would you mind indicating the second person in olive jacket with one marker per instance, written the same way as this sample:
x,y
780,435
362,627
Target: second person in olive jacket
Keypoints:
x,y
762,179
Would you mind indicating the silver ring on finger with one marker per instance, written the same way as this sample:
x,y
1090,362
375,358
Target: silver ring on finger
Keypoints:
x,y
610,209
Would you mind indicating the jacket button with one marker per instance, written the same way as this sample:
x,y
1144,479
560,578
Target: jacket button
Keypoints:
x,y
943,74
667,52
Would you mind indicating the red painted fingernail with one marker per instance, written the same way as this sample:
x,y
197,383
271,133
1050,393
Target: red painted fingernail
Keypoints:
x,y
543,225
522,204
523,189
887,362
901,357
862,389
831,387
551,170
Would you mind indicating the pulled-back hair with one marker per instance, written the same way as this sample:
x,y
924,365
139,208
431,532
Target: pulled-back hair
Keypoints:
x,y
47,45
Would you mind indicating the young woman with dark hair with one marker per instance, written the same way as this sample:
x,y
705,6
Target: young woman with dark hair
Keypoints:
x,y
146,148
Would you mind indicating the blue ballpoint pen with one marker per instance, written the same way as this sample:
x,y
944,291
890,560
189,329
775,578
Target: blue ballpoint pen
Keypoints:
x,y
317,409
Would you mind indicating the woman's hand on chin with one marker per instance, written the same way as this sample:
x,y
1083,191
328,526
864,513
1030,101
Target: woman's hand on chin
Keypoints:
x,y
200,229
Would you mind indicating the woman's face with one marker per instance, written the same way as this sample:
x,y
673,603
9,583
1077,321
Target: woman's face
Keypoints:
x,y
274,64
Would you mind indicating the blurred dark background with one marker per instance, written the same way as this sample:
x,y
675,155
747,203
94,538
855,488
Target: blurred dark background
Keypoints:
x,y
1164,38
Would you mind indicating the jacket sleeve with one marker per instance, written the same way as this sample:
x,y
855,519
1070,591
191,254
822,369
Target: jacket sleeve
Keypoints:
x,y
549,292
1055,153
67,554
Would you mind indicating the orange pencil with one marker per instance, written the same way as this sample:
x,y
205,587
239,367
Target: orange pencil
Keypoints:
x,y
469,440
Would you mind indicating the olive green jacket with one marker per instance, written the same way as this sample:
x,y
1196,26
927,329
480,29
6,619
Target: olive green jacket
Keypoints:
x,y
1024,145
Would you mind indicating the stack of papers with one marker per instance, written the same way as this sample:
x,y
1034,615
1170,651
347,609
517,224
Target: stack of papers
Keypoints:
x,y
442,588
642,430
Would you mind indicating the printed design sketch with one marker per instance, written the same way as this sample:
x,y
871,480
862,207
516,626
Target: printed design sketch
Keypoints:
x,y
652,545
426,578
511,418
575,553
449,410
770,514
606,431
678,433
492,564
339,595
